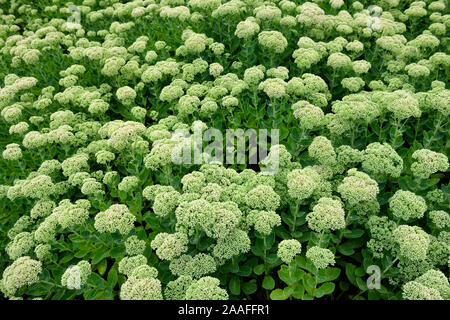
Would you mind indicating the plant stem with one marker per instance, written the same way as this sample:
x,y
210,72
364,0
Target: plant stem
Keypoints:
x,y
436,128
51,283
295,218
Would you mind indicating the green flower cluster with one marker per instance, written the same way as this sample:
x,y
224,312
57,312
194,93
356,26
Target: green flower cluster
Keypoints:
x,y
288,249
432,285
76,276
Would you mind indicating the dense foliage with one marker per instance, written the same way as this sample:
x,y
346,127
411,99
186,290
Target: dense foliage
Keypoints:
x,y
92,205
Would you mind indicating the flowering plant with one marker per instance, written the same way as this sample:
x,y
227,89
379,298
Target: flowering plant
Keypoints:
x,y
98,99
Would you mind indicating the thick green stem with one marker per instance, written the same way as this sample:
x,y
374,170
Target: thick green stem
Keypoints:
x,y
295,218
436,129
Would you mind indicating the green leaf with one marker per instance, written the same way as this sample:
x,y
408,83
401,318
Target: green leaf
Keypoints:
x,y
249,287
112,277
81,253
59,295
344,286
96,280
288,291
431,182
268,283
108,293
67,257
305,264
278,294
373,295
324,289
74,238
301,262
346,249
283,233
359,272
272,258
258,248
245,271
288,219
352,234
350,273
284,133
361,284
259,269
117,252
298,292
102,267
235,286
99,255
309,283
152,221
367,259
90,295
291,274
39,289
397,142
270,240
328,274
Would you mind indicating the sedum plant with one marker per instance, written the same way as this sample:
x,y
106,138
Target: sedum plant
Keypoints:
x,y
97,199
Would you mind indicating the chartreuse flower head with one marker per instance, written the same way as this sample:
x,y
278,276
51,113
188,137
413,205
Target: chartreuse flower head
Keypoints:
x,y
414,290
407,206
327,215
320,257
176,289
302,183
144,271
357,187
322,150
274,87
235,243
22,272
246,29
21,245
427,162
128,264
134,246
169,246
116,218
263,198
206,288
197,266
309,115
288,249
440,219
12,152
432,285
273,41
381,159
76,276
412,242
141,289
263,221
